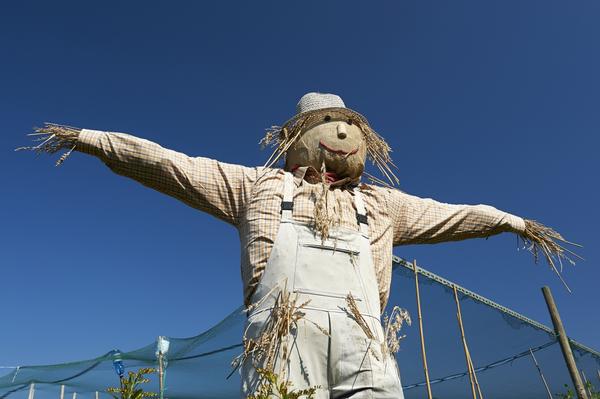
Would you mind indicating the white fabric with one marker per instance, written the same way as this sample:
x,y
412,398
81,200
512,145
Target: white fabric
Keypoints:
x,y
345,363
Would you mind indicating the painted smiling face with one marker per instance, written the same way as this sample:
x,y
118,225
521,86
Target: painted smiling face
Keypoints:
x,y
334,141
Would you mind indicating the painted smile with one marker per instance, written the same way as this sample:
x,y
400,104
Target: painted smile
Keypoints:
x,y
339,152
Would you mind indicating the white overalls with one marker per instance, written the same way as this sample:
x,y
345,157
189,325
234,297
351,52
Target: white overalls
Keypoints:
x,y
345,364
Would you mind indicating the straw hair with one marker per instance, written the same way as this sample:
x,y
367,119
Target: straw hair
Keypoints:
x,y
281,138
540,239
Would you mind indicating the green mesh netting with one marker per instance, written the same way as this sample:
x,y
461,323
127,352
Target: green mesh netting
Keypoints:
x,y
499,341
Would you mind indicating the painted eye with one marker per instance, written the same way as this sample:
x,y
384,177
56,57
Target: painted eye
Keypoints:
x,y
350,121
327,118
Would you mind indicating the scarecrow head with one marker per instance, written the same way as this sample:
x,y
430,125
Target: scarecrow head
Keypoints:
x,y
332,139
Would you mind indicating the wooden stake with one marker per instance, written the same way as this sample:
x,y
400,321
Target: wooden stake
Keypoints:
x,y
541,374
464,341
97,395
31,391
62,392
74,395
424,355
564,343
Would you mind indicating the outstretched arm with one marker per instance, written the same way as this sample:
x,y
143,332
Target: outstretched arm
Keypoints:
x,y
217,188
426,221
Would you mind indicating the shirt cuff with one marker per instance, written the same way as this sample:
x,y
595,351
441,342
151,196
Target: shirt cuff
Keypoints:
x,y
517,223
88,141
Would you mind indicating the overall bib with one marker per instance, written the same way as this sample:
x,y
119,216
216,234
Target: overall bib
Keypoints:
x,y
345,363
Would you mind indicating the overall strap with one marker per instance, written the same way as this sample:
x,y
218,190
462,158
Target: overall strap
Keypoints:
x,y
287,204
361,212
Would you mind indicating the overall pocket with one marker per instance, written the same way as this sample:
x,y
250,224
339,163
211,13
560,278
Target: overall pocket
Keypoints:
x,y
327,269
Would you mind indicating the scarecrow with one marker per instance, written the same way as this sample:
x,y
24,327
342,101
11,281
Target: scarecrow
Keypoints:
x,y
316,242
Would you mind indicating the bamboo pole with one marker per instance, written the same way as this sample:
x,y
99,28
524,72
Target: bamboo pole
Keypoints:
x,y
74,395
564,343
97,395
31,391
464,341
541,374
62,392
423,353
474,374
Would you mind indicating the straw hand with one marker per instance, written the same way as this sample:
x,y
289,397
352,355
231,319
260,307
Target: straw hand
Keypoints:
x,y
52,138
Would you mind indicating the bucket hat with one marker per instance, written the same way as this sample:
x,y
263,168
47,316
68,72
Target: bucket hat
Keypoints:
x,y
313,104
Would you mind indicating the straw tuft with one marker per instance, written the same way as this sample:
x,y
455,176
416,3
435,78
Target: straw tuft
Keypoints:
x,y
392,325
539,239
53,138
272,342
355,314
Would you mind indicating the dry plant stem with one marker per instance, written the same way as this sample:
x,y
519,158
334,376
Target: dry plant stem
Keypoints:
x,y
423,352
272,341
392,326
376,180
54,138
355,314
545,240
321,212
357,317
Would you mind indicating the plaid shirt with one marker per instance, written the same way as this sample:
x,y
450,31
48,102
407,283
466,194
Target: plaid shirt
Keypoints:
x,y
250,199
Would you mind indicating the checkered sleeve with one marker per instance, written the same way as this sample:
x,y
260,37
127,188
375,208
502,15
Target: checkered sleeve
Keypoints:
x,y
425,221
217,188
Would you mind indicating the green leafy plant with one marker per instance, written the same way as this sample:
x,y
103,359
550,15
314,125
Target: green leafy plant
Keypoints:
x,y
570,394
130,386
271,387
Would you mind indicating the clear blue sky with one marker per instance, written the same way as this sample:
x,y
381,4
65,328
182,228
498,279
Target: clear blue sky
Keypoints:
x,y
483,102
